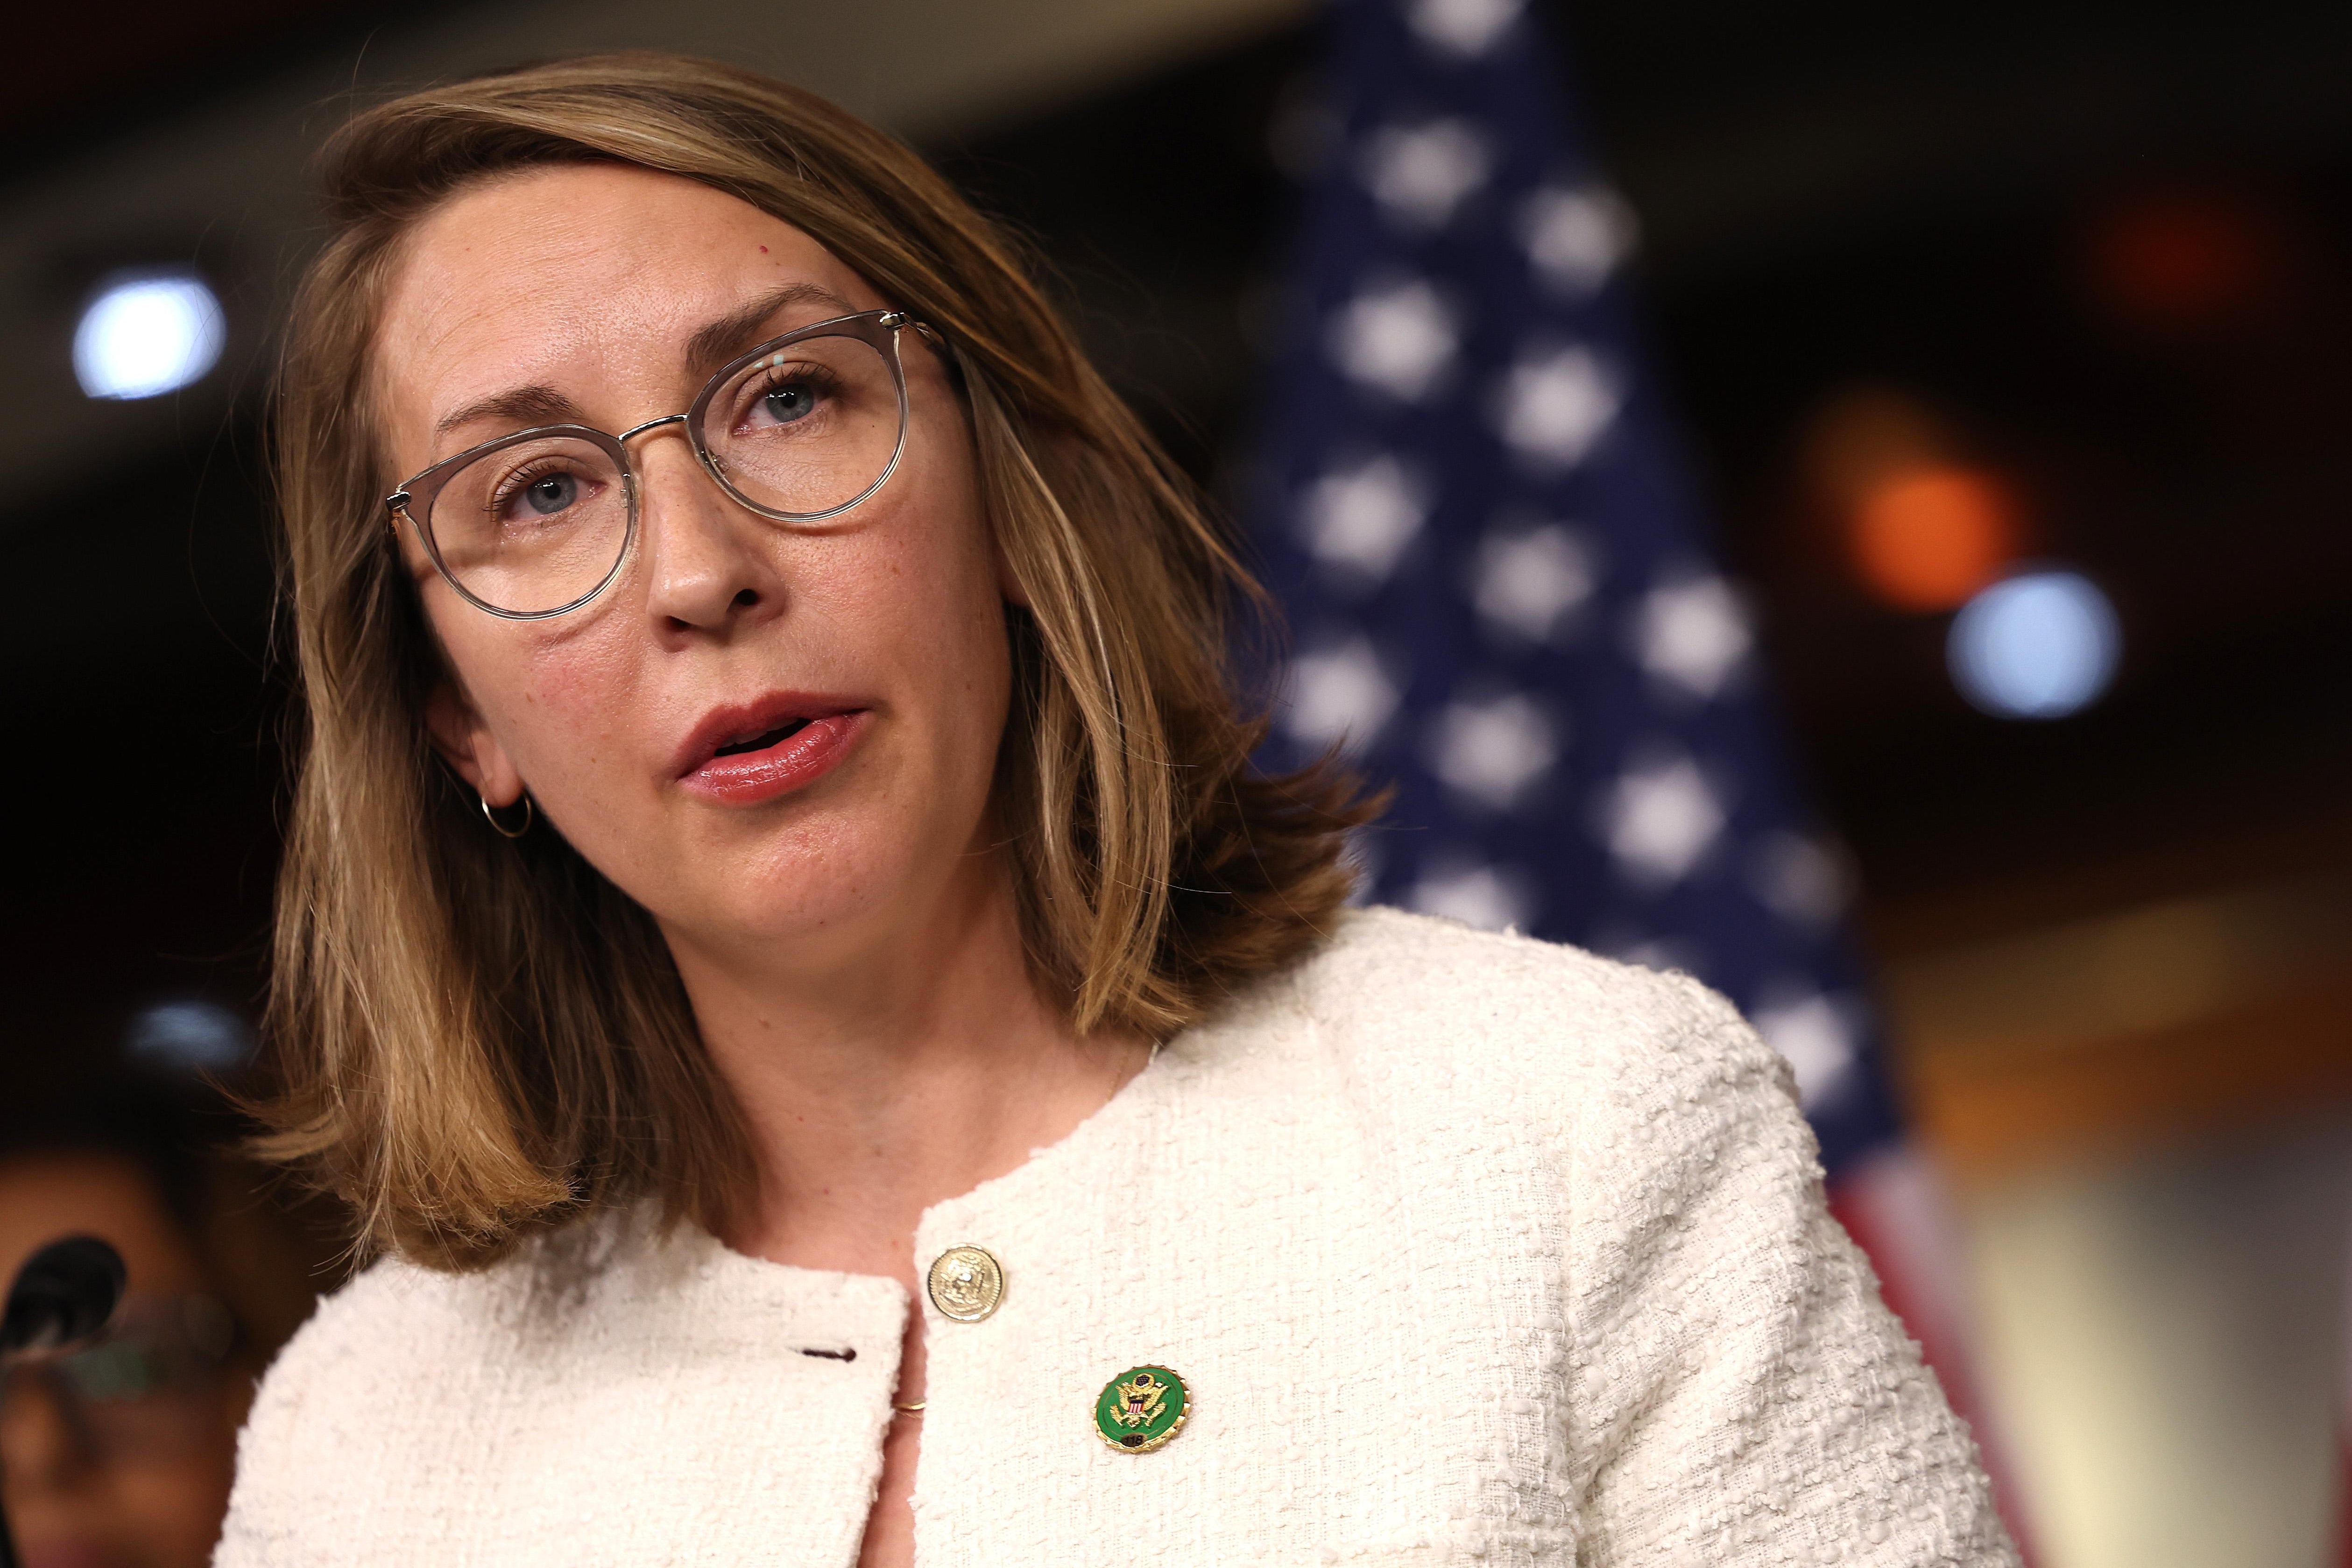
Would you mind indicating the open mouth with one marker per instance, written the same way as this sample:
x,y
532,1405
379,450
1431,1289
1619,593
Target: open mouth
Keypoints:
x,y
751,752
764,740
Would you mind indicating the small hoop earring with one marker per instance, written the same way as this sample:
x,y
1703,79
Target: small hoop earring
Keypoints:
x,y
491,817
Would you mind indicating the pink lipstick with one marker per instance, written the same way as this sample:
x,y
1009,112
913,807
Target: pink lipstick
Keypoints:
x,y
750,753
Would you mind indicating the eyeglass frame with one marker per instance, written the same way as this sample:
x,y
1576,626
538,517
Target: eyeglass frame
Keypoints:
x,y
190,1339
877,328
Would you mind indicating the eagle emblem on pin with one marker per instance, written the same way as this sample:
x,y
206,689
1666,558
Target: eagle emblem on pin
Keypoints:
x,y
1142,1409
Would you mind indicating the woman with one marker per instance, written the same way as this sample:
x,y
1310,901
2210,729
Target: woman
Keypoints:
x,y
781,946
120,1454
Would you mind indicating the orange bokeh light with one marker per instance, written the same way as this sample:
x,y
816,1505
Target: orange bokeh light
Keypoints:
x,y
1925,537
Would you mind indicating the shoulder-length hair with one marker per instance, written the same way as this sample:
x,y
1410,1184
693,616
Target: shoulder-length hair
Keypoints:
x,y
482,1038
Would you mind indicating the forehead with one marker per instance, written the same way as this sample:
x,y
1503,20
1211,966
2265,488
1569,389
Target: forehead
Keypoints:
x,y
540,276
48,1194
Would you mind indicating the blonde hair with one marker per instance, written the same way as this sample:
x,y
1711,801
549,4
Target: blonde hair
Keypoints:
x,y
480,1039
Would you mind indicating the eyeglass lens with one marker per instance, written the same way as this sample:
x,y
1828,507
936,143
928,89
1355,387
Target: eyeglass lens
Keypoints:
x,y
149,1389
539,524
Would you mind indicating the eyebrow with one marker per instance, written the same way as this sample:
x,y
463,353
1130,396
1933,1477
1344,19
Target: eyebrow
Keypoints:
x,y
525,406
712,345
716,344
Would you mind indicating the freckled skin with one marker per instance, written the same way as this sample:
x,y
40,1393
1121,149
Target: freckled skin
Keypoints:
x,y
590,281
851,948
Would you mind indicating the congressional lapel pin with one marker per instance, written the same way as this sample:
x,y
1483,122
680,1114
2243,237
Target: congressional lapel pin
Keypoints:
x,y
1141,1408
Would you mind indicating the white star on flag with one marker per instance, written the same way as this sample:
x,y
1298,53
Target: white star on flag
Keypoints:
x,y
1552,410
1576,237
1492,751
1339,695
1660,818
1466,27
1491,898
1528,582
1797,878
1400,339
1812,1033
1420,174
1360,519
1692,634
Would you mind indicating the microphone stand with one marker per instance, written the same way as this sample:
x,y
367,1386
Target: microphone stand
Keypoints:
x,y
65,1293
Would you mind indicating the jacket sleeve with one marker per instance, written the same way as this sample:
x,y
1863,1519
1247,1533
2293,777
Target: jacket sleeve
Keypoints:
x,y
1738,1393
310,1449
259,1530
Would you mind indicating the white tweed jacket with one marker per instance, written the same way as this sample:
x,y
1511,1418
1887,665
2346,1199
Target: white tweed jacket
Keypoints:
x,y
1471,1251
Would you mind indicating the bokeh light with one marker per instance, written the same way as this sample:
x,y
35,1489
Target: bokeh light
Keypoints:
x,y
148,334
1925,538
2039,646
2186,260
190,1037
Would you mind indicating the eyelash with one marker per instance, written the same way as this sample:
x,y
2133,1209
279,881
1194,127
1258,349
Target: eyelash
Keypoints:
x,y
816,377
522,479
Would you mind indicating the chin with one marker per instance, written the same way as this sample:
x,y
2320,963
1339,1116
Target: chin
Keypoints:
x,y
838,879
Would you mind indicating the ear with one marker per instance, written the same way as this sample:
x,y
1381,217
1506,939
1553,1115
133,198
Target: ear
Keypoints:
x,y
466,743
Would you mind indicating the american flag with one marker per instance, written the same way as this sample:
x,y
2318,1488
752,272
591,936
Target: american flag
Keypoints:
x,y
1503,600
1501,595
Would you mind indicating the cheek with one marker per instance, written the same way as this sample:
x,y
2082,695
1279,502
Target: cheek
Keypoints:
x,y
554,700
929,600
571,704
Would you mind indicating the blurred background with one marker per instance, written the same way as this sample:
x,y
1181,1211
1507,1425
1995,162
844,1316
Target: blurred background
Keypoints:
x,y
2038,310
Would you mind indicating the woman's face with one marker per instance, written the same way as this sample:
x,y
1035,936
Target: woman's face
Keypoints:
x,y
572,295
114,1480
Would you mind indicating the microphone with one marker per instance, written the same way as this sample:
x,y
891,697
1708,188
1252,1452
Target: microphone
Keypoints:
x,y
65,1293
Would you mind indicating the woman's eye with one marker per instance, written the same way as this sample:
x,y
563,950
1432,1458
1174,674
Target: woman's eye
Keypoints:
x,y
787,401
550,493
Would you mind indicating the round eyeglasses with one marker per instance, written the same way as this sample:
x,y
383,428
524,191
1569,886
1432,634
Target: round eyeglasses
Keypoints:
x,y
147,1390
539,522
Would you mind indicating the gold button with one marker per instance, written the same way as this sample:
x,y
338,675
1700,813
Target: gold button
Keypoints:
x,y
966,1284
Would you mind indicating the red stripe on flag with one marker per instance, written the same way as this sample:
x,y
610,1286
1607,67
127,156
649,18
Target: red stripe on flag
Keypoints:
x,y
1893,1206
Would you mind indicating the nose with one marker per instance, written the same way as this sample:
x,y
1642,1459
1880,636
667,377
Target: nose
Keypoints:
x,y
706,563
40,1447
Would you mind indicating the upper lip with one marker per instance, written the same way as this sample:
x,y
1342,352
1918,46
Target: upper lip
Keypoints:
x,y
745,720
